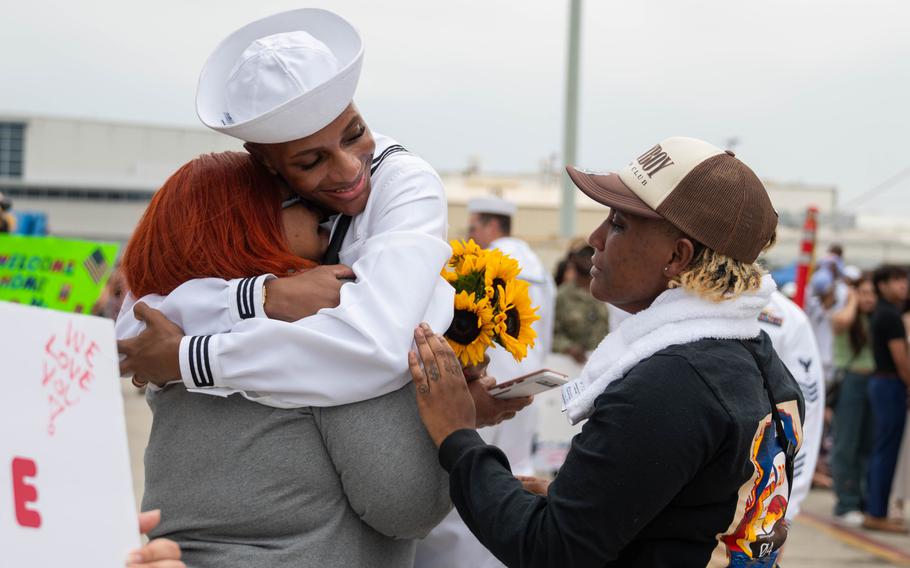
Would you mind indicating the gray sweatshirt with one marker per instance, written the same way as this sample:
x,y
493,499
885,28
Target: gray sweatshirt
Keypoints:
x,y
245,485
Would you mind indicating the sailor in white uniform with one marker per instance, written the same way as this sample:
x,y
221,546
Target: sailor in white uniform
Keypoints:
x,y
284,85
793,339
451,544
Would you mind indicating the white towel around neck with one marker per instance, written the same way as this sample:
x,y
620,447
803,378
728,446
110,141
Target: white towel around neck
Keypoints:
x,y
676,317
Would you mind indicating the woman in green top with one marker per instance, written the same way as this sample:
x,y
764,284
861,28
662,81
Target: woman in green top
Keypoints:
x,y
852,416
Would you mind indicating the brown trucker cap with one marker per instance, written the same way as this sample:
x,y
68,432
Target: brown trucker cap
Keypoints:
x,y
705,192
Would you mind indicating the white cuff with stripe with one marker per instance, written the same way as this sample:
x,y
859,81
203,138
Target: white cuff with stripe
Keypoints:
x,y
245,297
196,364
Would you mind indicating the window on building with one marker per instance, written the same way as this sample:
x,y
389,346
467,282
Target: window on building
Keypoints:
x,y
12,142
75,194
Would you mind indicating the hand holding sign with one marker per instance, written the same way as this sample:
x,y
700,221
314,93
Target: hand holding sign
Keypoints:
x,y
159,553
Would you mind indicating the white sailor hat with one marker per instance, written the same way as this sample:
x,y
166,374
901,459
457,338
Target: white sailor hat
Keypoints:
x,y
492,206
281,78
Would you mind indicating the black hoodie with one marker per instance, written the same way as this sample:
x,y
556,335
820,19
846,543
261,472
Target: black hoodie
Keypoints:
x,y
678,466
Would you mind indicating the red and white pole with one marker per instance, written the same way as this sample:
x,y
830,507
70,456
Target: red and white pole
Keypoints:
x,y
806,256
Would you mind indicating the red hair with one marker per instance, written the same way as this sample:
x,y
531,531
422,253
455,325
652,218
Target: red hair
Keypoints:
x,y
217,216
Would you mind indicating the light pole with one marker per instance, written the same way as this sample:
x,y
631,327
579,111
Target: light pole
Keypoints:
x,y
570,126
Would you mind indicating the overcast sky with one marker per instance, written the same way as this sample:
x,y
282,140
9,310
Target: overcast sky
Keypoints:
x,y
815,90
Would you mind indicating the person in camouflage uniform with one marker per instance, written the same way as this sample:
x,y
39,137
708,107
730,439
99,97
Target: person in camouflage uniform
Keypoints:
x,y
581,320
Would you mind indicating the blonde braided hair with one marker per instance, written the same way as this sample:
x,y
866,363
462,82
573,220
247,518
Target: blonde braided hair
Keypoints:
x,y
717,277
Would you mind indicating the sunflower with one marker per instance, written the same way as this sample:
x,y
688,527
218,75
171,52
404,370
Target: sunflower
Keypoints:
x,y
461,248
514,332
461,251
500,270
471,332
471,263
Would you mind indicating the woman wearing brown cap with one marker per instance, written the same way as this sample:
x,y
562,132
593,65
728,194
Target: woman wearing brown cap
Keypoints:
x,y
684,460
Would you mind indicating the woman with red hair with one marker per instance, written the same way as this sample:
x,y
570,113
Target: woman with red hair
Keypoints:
x,y
220,216
246,484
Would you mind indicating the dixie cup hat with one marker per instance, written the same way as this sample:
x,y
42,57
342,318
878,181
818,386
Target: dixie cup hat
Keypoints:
x,y
281,78
492,206
705,192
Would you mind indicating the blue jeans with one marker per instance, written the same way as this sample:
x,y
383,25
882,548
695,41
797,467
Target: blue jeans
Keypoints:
x,y
852,443
888,400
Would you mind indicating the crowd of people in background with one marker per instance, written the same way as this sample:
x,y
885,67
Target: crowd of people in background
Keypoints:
x,y
859,319
19,222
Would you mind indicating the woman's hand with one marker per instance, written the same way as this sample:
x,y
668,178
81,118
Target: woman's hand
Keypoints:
x,y
478,371
159,553
443,398
296,297
490,410
446,401
536,485
154,355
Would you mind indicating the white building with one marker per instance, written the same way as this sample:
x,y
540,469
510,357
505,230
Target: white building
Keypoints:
x,y
93,178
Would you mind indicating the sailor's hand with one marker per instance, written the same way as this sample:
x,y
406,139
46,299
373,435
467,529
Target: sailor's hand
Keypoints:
x,y
154,355
296,297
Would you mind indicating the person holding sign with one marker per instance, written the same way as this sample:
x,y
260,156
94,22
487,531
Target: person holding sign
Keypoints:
x,y
693,422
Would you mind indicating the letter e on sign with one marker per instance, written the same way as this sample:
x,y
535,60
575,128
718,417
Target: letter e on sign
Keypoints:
x,y
25,493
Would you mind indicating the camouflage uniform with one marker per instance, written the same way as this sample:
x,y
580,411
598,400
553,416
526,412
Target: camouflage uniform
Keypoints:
x,y
581,319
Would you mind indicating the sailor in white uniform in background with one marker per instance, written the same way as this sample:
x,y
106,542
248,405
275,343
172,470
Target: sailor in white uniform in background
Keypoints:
x,y
791,334
451,544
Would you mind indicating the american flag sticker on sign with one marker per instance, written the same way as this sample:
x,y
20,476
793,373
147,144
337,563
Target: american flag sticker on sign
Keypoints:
x,y
96,265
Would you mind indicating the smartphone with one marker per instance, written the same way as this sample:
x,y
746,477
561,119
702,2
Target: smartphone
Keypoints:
x,y
532,383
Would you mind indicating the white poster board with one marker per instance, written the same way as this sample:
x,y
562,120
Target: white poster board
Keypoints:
x,y
65,486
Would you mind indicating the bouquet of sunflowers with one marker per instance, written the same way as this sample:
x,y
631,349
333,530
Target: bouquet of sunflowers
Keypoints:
x,y
491,304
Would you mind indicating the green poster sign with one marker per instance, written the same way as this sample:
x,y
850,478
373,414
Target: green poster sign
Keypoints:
x,y
61,274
